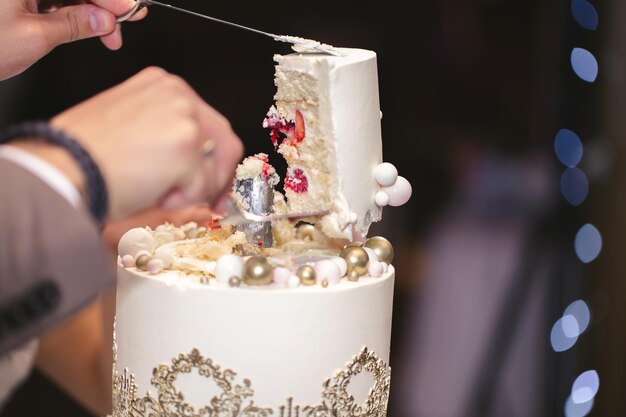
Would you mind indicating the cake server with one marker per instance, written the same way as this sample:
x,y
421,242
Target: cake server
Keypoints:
x,y
300,44
235,216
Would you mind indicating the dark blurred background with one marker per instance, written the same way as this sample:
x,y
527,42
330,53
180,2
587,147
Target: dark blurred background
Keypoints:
x,y
512,142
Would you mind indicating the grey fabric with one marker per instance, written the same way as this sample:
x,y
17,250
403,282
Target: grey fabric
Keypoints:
x,y
52,259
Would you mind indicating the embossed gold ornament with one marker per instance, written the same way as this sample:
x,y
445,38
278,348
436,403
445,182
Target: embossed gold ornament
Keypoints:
x,y
306,231
142,262
257,271
235,400
357,260
306,273
382,247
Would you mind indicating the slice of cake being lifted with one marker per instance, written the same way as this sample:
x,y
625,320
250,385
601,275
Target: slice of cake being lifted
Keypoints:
x,y
326,124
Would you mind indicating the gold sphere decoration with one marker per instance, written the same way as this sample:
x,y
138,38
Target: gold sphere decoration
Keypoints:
x,y
234,281
325,283
356,258
257,271
142,262
353,276
306,231
382,247
306,273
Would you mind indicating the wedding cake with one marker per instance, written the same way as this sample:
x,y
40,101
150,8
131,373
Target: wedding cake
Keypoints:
x,y
289,316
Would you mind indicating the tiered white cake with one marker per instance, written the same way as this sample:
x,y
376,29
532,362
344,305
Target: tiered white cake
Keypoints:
x,y
210,323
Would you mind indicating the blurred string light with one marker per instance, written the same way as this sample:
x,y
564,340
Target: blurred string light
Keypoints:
x,y
585,14
585,387
574,186
577,410
588,243
568,148
570,326
584,64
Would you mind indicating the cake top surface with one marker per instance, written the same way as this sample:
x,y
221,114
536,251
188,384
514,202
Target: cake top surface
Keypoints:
x,y
351,56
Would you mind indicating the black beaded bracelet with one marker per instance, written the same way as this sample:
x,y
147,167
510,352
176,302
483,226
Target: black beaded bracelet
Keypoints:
x,y
97,195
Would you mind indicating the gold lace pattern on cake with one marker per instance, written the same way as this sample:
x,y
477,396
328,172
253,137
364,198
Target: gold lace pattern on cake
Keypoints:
x,y
236,398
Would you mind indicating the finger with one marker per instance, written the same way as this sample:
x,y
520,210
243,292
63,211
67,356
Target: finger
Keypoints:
x,y
228,147
116,7
72,23
113,41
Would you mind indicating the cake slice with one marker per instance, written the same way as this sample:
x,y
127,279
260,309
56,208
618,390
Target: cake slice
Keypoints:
x,y
326,124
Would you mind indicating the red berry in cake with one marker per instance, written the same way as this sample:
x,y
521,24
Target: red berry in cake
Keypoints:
x,y
299,131
296,181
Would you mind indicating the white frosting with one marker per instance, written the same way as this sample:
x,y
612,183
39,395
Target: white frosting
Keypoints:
x,y
349,117
286,341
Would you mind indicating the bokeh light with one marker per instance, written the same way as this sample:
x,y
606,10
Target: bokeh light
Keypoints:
x,y
559,340
577,410
585,387
568,147
585,14
584,64
580,311
588,243
570,326
574,186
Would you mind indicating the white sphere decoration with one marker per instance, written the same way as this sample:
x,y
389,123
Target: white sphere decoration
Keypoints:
x,y
327,270
371,254
385,174
375,269
228,266
342,264
135,240
128,261
399,193
293,281
165,254
161,238
353,217
154,266
381,199
281,275
385,267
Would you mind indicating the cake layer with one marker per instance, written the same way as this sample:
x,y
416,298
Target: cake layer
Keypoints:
x,y
282,345
329,108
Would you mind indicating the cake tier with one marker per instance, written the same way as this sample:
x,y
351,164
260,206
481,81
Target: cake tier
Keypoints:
x,y
246,351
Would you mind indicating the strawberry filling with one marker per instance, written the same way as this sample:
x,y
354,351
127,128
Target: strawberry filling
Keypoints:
x,y
283,129
297,181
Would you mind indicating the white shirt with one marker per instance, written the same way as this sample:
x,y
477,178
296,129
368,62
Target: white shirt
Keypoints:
x,y
16,366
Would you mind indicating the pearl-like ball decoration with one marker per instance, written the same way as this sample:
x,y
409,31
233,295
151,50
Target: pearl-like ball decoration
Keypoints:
x,y
294,281
228,266
381,199
165,254
282,275
306,232
399,193
371,254
357,259
142,262
342,264
327,270
307,274
257,271
353,276
375,269
128,261
135,240
234,281
382,247
385,174
154,266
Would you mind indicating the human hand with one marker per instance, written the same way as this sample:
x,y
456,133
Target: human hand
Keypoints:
x,y
146,135
26,35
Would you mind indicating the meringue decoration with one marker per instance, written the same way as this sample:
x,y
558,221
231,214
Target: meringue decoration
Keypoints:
x,y
399,192
385,174
228,266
